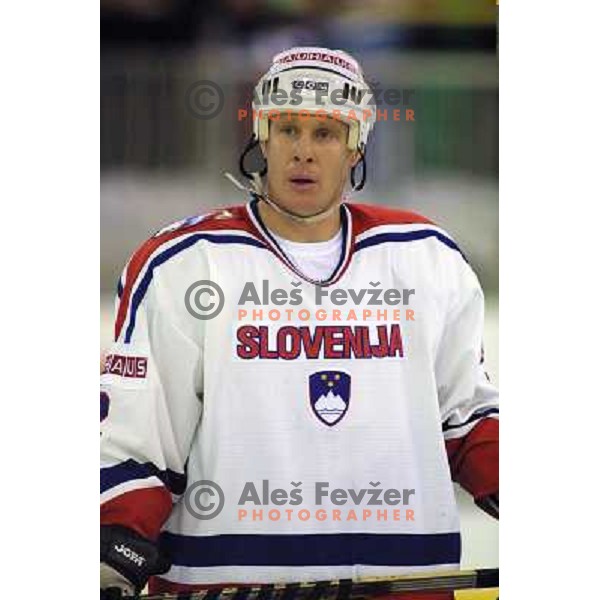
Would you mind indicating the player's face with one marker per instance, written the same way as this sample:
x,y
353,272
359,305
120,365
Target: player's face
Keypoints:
x,y
308,162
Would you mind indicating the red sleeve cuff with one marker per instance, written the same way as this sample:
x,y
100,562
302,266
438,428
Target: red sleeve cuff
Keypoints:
x,y
474,459
143,510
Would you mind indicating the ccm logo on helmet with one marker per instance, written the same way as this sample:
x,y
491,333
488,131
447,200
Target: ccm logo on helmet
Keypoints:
x,y
306,84
130,554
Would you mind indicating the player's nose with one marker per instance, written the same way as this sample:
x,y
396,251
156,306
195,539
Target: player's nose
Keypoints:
x,y
303,148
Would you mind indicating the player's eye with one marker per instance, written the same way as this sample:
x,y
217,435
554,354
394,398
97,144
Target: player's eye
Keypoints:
x,y
324,133
287,129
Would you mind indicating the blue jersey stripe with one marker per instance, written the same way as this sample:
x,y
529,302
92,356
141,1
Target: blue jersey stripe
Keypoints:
x,y
474,417
131,470
408,236
406,550
163,257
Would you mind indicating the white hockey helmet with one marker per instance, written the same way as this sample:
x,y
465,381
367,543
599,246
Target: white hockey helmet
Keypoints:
x,y
316,81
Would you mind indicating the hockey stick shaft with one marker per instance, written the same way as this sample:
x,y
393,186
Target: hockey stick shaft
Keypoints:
x,y
344,588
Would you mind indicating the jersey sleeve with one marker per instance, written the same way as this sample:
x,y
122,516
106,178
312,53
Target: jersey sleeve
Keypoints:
x,y
150,407
468,400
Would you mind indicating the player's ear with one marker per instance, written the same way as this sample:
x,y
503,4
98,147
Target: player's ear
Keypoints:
x,y
354,158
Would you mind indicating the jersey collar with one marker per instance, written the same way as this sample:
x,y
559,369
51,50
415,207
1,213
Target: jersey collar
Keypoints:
x,y
347,244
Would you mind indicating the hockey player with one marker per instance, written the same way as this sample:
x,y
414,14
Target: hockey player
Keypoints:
x,y
217,376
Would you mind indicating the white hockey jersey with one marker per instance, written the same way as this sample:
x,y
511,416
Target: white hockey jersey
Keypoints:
x,y
269,428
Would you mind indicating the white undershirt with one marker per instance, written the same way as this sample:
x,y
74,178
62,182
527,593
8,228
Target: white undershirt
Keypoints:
x,y
315,260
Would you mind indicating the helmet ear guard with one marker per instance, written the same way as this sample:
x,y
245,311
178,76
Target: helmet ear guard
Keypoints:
x,y
353,135
262,131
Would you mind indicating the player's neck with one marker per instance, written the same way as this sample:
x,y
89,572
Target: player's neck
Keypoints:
x,y
295,231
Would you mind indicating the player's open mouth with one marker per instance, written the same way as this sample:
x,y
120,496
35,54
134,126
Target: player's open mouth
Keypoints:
x,y
303,182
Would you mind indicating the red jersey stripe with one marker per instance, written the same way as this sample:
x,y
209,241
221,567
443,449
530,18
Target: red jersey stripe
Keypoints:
x,y
365,217
223,219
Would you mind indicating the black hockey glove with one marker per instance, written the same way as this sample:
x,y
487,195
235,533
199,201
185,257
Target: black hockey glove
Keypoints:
x,y
131,555
490,504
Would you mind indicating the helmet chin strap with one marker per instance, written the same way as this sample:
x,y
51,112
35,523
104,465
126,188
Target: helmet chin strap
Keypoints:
x,y
257,189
